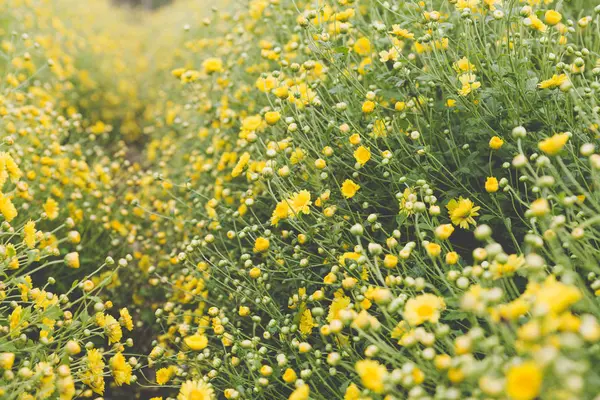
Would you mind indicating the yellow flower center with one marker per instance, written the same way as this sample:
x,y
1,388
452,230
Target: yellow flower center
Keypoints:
x,y
425,310
196,394
462,211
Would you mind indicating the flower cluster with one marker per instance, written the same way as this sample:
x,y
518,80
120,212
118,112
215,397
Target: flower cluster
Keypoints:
x,y
341,184
61,335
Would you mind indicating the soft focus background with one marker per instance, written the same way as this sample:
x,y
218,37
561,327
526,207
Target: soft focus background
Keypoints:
x,y
147,4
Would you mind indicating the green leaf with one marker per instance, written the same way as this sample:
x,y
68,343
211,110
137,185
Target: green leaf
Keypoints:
x,y
455,316
531,84
53,312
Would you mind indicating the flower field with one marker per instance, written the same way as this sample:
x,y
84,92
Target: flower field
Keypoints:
x,y
277,199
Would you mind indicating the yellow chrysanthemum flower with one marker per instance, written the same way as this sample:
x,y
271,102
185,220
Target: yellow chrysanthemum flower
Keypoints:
x,y
349,188
423,308
462,212
195,390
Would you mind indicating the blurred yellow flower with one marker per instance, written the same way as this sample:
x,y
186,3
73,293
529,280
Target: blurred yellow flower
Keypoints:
x,y
423,308
196,342
554,144
524,381
372,375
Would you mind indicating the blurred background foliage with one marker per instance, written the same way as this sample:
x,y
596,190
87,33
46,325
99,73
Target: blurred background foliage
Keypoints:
x,y
147,4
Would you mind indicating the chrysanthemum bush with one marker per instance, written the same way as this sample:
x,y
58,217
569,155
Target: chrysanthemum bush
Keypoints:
x,y
349,200
58,338
60,333
388,201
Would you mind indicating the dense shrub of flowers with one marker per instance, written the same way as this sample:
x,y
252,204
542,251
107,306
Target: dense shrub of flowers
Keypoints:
x,y
307,200
59,335
64,323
